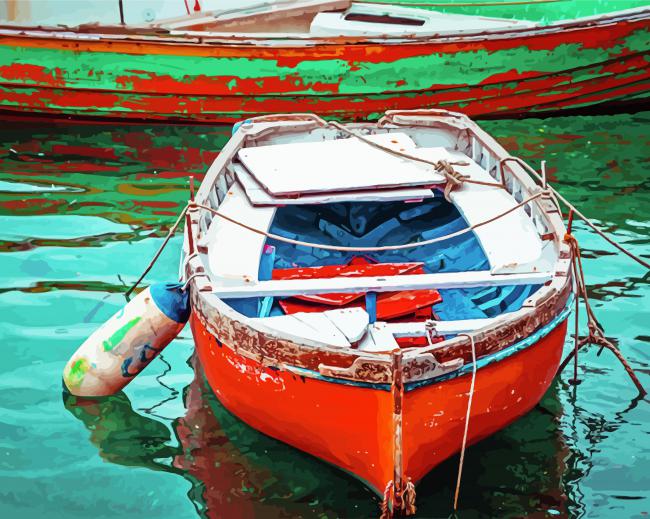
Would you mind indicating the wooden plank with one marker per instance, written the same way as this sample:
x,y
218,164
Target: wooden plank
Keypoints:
x,y
379,338
234,253
317,327
337,165
353,322
258,196
418,329
338,327
379,284
511,243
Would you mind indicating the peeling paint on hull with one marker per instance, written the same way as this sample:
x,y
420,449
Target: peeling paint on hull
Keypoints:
x,y
358,437
529,71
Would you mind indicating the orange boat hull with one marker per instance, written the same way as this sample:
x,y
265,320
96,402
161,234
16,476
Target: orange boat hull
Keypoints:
x,y
352,426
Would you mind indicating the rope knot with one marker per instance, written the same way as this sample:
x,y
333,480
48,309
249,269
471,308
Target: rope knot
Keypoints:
x,y
385,505
454,178
571,240
408,498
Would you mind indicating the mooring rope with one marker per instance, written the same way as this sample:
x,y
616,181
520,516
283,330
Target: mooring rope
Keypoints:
x,y
457,180
576,212
441,166
385,504
408,498
170,233
596,334
454,178
339,248
342,248
444,167
467,416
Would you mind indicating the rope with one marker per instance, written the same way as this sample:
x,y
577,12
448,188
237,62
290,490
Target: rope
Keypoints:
x,y
408,498
441,166
457,179
596,334
599,232
385,504
170,233
342,248
576,339
593,227
189,279
191,205
454,181
467,415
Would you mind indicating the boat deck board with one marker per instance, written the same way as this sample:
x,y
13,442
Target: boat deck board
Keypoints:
x,y
259,197
338,165
511,243
338,328
234,253
378,284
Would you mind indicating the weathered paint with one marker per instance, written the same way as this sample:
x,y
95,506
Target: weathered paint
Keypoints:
x,y
358,436
77,372
119,335
397,408
434,416
528,70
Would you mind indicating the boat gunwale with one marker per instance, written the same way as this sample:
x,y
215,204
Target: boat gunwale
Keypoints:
x,y
284,352
93,34
465,369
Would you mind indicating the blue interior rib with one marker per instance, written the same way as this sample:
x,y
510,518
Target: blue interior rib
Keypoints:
x,y
369,224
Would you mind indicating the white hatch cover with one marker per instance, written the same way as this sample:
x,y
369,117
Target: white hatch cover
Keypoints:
x,y
338,165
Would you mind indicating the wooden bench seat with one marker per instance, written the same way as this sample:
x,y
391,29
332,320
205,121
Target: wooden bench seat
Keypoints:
x,y
511,243
378,284
234,253
339,328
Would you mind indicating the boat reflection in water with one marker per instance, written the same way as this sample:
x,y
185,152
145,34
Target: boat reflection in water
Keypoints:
x,y
237,472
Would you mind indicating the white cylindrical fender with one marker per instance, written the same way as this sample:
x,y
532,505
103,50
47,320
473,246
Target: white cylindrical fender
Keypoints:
x,y
123,346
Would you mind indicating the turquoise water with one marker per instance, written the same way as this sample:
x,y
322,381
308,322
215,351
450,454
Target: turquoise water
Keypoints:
x,y
83,208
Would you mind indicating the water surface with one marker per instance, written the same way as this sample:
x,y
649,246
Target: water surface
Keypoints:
x,y
82,209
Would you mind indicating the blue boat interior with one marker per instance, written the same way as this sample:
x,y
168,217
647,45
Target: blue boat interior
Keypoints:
x,y
370,224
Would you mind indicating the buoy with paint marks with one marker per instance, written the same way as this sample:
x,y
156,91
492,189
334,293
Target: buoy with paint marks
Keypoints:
x,y
123,346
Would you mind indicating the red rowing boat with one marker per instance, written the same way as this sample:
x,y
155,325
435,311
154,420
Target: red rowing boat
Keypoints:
x,y
351,316
331,57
